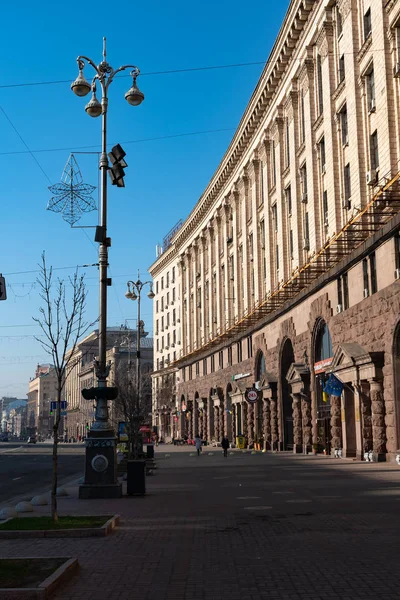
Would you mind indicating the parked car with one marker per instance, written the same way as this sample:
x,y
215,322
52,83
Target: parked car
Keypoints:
x,y
32,439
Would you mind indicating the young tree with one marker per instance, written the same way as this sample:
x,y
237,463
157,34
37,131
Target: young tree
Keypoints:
x,y
62,321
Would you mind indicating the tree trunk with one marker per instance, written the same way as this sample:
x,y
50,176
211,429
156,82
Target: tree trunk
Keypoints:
x,y
54,514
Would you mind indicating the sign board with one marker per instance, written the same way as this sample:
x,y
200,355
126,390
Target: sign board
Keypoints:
x,y
63,405
322,365
240,376
252,395
122,432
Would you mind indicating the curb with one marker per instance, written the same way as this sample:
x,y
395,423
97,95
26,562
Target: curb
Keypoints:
x,y
102,531
44,589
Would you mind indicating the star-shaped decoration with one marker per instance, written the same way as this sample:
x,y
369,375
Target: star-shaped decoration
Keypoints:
x,y
71,196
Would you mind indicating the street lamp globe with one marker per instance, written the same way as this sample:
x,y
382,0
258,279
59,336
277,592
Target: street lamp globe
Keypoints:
x,y
134,96
93,107
151,294
80,86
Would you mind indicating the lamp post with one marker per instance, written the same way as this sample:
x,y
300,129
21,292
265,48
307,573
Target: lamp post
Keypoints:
x,y
101,468
134,293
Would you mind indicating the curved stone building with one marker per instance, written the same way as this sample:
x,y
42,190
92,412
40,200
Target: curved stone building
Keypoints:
x,y
288,265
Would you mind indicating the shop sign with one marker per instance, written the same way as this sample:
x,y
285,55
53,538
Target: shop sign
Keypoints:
x,y
240,376
252,395
322,365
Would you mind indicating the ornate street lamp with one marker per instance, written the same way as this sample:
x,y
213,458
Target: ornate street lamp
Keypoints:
x,y
100,471
134,293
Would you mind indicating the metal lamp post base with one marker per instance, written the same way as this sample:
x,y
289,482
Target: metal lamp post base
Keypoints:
x,y
100,467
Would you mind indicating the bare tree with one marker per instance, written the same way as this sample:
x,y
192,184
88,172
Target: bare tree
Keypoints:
x,y
63,324
128,407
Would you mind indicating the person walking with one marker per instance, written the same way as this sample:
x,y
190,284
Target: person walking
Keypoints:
x,y
198,443
225,445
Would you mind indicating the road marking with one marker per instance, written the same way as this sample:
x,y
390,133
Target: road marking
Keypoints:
x,y
248,497
299,501
283,492
225,477
16,478
258,508
10,450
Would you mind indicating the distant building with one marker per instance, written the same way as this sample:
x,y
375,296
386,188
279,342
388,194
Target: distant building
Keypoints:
x,y
42,390
121,346
11,411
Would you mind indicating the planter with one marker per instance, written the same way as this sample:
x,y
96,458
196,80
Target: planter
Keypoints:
x,y
103,531
46,587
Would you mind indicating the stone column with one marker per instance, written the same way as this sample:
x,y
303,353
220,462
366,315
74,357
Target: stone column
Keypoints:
x,y
266,424
244,419
217,434
222,414
205,422
297,424
234,417
274,423
366,417
336,423
378,421
306,422
250,424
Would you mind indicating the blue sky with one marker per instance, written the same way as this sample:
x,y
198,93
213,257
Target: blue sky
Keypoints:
x,y
165,177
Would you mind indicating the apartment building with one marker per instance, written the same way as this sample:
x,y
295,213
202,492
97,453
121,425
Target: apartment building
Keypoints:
x,y
289,263
42,390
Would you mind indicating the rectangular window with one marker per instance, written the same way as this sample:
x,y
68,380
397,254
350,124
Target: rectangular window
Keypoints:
x,y
162,323
306,231
303,183
221,359
365,277
341,69
273,164
162,302
288,198
397,250
156,306
319,86
157,327
322,155
158,345
167,319
156,287
197,368
190,372
183,374
204,366
174,317
173,294
162,283
302,118
239,351
371,90
339,292
173,275
344,126
277,257
372,270
347,182
167,282
287,143
274,209
339,23
167,301
367,24
249,347
230,355
325,207
345,291
174,336
212,363
291,247
374,153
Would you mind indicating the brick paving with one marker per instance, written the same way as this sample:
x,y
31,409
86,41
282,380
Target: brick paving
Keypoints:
x,y
273,526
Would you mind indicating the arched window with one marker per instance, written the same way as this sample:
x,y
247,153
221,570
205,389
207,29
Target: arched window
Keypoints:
x,y
323,349
261,366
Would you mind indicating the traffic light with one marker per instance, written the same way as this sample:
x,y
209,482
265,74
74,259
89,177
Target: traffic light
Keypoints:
x,y
116,171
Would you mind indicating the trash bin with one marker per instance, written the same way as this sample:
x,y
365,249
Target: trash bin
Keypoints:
x,y
150,451
240,442
136,478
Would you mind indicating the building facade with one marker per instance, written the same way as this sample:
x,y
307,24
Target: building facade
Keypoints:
x,y
42,391
121,350
288,265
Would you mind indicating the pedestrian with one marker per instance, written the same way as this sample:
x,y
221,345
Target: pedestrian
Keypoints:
x,y
198,443
225,445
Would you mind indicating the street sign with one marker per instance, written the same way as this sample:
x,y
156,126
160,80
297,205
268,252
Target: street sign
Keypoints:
x,y
63,405
251,395
3,291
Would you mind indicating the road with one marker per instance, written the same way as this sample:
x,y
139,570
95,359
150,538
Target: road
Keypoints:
x,y
26,469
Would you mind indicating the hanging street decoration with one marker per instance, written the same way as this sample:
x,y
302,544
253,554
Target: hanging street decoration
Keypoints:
x,y
72,197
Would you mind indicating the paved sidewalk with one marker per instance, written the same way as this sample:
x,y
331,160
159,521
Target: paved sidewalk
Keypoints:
x,y
249,527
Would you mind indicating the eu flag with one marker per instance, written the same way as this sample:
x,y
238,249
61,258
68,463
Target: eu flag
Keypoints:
x,y
333,387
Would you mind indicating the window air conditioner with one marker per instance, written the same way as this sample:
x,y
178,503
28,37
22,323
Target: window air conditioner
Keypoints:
x,y
396,70
345,204
371,177
198,274
251,258
306,244
372,105
366,293
172,345
229,240
397,274
339,308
